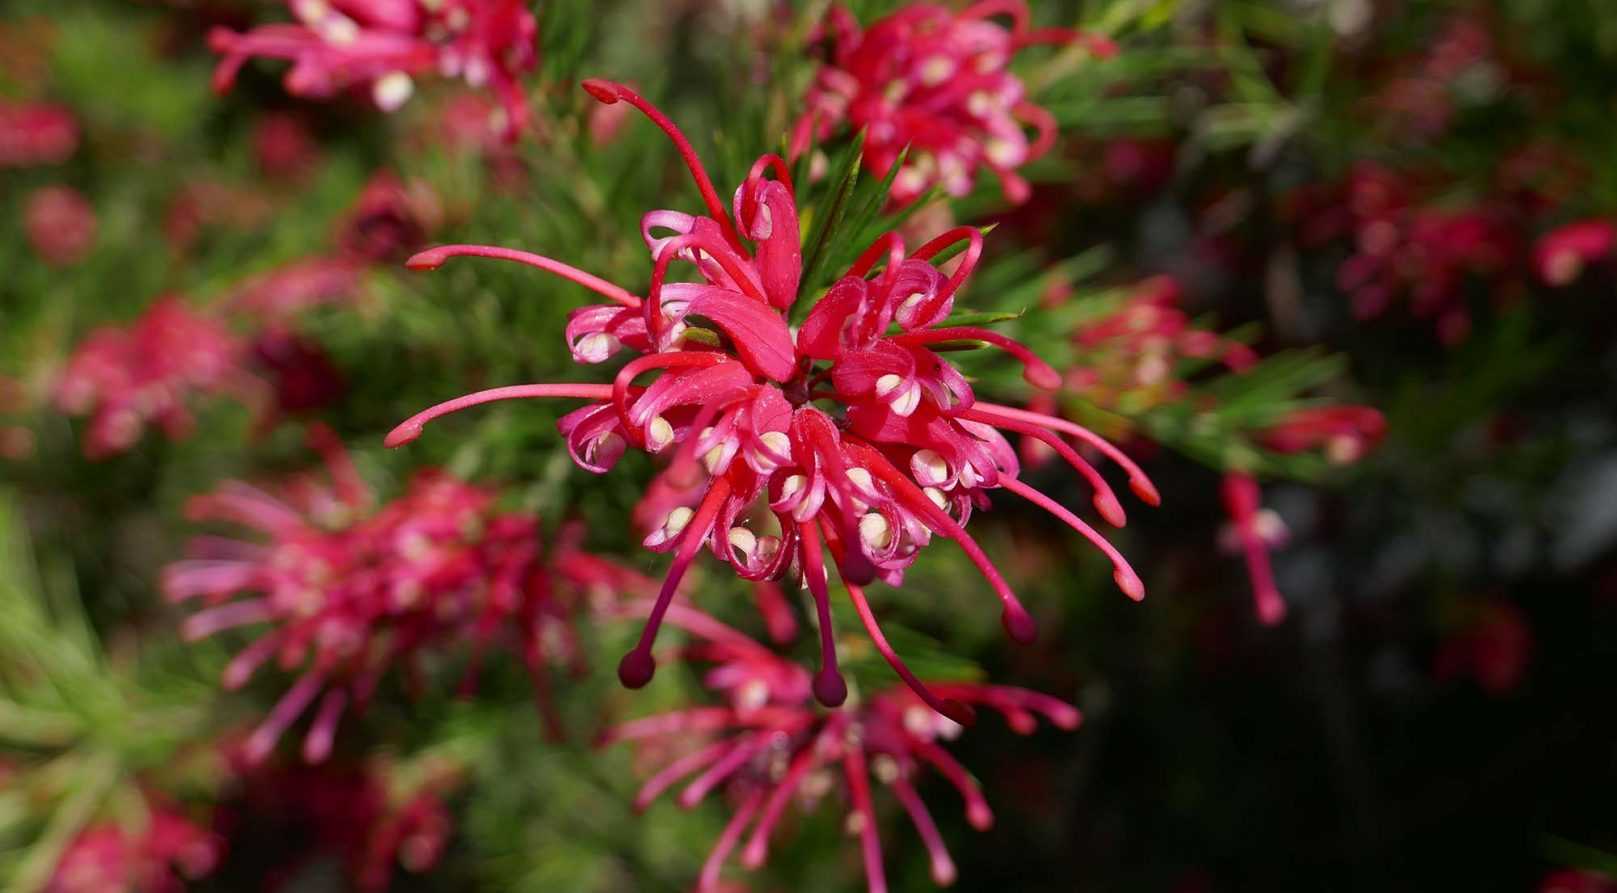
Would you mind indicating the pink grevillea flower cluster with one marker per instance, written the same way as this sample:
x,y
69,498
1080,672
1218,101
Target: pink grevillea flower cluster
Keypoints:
x,y
1561,255
127,378
937,81
768,748
36,133
1133,354
348,592
1406,249
849,434
382,45
158,857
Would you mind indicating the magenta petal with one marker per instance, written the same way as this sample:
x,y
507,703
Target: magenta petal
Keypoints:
x,y
689,387
594,436
856,373
780,253
821,334
760,335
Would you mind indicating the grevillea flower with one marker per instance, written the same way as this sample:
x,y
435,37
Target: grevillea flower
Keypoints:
x,y
849,434
158,857
1253,531
1131,355
768,747
937,81
1422,253
36,133
1344,433
348,592
126,378
60,225
1572,880
1561,255
382,45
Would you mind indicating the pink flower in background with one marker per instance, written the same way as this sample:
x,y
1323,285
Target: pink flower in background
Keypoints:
x,y
382,45
348,591
1253,531
1493,647
849,434
1561,255
299,371
937,81
286,292
127,378
1423,254
768,748
158,857
389,220
283,147
1344,433
36,133
1134,353
60,224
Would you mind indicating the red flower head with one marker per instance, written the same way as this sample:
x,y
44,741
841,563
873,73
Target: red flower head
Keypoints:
x,y
1562,254
769,746
849,434
60,225
36,133
348,591
125,378
937,81
108,858
382,44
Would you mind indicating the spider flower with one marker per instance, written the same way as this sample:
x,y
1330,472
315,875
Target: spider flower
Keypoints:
x,y
159,857
382,45
126,378
346,591
937,81
768,747
849,434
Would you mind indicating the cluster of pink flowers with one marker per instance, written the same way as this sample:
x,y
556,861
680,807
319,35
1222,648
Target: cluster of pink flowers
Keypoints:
x,y
127,378
1132,353
348,591
382,45
1419,101
936,81
159,857
1404,248
843,434
36,134
769,747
